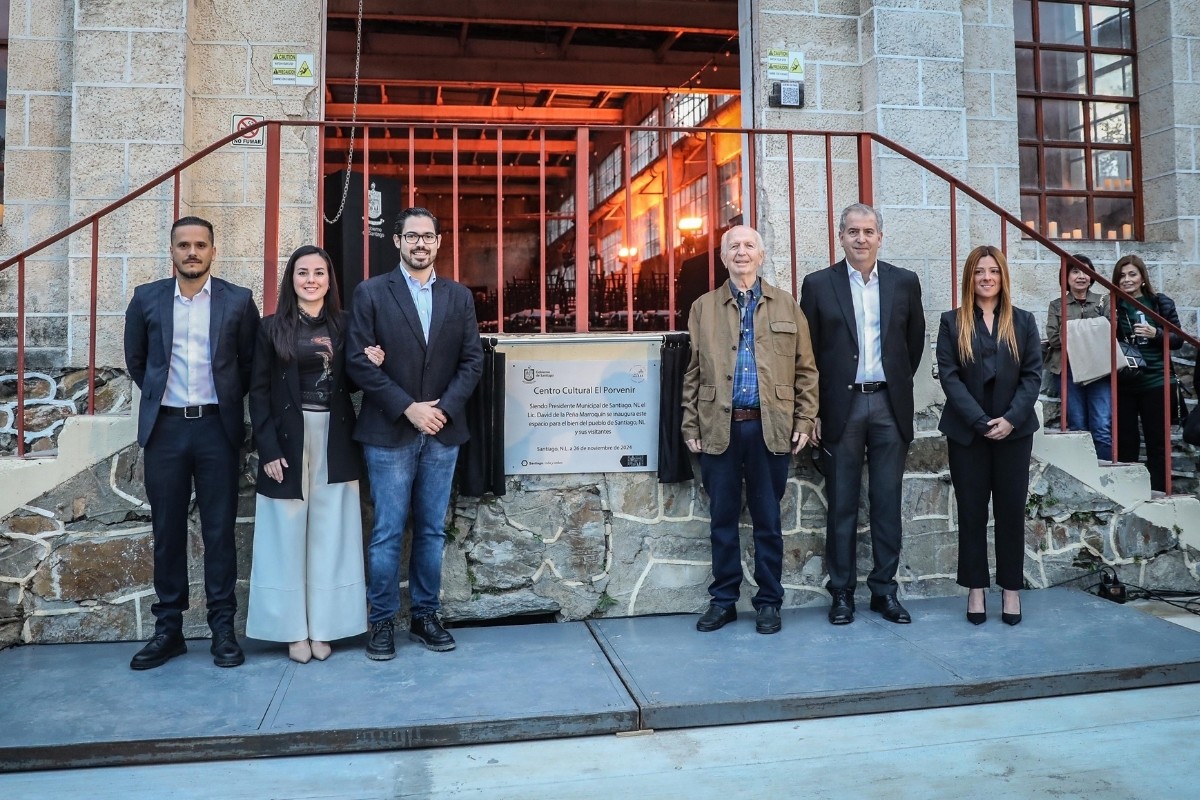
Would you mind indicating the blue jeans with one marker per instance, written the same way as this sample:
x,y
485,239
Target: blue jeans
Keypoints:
x,y
765,475
1089,408
415,476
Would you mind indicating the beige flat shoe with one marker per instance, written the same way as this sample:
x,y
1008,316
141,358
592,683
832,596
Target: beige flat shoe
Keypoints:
x,y
300,652
320,650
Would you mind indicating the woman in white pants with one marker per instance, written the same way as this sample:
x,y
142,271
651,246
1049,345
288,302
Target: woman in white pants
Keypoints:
x,y
306,583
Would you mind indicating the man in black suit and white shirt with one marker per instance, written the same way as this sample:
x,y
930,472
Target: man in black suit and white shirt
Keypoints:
x,y
189,345
412,423
868,335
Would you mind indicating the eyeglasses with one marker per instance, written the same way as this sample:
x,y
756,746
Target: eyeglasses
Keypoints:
x,y
413,238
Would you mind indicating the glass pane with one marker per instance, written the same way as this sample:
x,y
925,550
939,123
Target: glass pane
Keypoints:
x,y
1110,27
1066,216
1029,211
1113,170
1064,168
1027,118
1022,21
1062,120
1061,23
1029,168
1115,217
1025,70
1110,123
1113,74
1064,72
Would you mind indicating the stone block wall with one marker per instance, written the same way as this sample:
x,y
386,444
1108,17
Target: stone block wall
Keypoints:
x,y
76,563
51,399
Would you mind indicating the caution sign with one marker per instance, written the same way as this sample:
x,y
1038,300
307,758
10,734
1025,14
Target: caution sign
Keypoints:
x,y
253,140
785,65
293,69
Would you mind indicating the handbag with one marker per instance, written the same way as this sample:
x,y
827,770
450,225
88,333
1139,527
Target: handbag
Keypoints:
x,y
1088,349
1179,409
1130,361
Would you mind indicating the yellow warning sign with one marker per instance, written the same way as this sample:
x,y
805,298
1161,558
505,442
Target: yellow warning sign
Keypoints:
x,y
294,69
305,71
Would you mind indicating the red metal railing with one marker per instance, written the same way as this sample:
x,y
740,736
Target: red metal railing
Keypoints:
x,y
673,167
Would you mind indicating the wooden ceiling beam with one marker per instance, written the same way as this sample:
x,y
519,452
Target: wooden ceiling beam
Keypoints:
x,y
635,74
401,113
511,146
689,16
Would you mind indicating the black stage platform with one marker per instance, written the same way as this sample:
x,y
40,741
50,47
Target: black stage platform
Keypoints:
x,y
81,705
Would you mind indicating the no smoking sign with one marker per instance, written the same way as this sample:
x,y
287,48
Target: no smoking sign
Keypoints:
x,y
240,122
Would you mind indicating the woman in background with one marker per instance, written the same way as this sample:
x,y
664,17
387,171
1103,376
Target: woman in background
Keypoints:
x,y
1089,406
306,583
1140,397
989,363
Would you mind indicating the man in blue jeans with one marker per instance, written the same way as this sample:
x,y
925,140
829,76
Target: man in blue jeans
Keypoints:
x,y
413,421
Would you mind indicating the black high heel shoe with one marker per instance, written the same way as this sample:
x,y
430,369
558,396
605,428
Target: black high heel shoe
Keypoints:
x,y
1011,619
977,617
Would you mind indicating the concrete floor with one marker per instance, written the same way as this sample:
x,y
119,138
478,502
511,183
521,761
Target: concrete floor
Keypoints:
x,y
1136,743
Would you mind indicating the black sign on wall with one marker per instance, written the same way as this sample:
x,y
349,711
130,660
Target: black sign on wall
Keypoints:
x,y
344,238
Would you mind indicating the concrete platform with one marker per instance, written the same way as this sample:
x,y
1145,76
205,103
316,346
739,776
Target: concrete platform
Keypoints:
x,y
81,705
1068,642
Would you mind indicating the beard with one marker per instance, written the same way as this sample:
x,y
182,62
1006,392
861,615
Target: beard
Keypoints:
x,y
191,269
417,260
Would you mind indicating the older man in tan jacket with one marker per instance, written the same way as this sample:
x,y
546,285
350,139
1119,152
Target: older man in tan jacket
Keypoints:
x,y
749,402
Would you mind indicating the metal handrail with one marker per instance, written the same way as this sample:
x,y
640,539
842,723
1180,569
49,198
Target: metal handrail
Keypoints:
x,y
864,152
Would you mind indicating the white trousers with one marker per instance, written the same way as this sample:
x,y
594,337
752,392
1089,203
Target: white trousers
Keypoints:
x,y
307,580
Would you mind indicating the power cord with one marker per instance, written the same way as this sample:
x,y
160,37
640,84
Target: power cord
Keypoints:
x,y
1110,587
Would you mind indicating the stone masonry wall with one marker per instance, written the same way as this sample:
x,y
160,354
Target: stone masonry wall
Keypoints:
x,y
76,563
51,399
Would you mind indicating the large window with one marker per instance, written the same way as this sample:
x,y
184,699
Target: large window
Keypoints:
x,y
1077,118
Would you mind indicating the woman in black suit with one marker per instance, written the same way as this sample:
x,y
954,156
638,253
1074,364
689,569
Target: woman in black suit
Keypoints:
x,y
990,363
1140,398
306,584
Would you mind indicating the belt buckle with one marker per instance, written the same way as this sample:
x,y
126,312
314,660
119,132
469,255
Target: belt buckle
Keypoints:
x,y
199,412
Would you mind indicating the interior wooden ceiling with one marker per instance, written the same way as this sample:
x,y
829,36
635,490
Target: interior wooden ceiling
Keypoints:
x,y
540,62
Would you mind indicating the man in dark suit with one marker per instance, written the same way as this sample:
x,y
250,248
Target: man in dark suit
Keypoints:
x,y
868,334
189,345
412,423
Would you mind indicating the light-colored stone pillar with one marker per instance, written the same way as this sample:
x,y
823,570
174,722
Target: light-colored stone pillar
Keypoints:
x,y
37,169
231,43
127,128
1168,42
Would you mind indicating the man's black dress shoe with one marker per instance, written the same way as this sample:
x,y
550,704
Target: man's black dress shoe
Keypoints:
x,y
841,612
225,650
161,648
716,617
381,645
889,607
429,632
768,620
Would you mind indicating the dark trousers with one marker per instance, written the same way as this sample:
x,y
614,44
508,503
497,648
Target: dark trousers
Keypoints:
x,y
1146,406
997,471
764,473
179,454
870,433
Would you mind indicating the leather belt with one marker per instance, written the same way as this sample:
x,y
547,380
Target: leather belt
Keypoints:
x,y
870,387
745,414
189,412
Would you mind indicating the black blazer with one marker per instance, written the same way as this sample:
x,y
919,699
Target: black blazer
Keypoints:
x,y
149,328
827,303
448,367
278,420
1016,386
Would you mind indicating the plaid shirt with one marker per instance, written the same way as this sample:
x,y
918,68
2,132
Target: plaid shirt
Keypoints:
x,y
745,371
